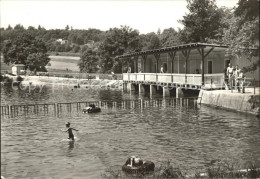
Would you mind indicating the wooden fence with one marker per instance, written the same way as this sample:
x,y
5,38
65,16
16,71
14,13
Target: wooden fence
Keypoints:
x,y
56,109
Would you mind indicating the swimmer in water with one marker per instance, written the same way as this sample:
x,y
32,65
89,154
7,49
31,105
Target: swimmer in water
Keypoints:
x,y
69,130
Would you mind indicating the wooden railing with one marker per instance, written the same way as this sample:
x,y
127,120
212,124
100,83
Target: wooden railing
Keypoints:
x,y
192,79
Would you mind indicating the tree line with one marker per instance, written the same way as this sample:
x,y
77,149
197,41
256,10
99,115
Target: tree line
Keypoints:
x,y
205,23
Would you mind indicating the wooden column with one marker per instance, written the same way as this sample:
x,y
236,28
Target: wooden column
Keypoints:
x,y
157,57
144,57
186,54
203,56
136,64
172,56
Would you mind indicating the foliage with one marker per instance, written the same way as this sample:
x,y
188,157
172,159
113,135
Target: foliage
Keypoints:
x,y
151,41
27,50
117,42
89,61
242,35
202,22
169,37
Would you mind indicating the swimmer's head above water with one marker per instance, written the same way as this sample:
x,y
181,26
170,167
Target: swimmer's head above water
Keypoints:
x,y
67,124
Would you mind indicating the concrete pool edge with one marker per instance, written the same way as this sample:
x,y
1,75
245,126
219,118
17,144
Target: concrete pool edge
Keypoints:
x,y
243,102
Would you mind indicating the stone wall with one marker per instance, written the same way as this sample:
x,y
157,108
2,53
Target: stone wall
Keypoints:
x,y
246,102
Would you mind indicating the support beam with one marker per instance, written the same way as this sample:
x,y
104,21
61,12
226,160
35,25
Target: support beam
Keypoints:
x,y
203,56
136,64
166,91
124,86
186,54
141,88
172,56
144,57
130,87
202,67
152,89
179,92
157,57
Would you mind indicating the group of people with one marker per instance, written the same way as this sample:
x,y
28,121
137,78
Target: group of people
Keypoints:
x,y
235,77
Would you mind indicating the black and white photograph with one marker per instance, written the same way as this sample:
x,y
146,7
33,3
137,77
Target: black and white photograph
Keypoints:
x,y
129,89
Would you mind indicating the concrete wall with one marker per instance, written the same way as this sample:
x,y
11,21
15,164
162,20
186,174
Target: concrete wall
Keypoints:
x,y
248,103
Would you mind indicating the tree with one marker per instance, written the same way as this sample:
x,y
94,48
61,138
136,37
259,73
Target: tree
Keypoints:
x,y
202,22
169,37
67,27
9,27
27,50
117,42
19,27
242,35
89,61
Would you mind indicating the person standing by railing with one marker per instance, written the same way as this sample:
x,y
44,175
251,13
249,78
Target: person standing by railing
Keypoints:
x,y
229,73
236,74
241,80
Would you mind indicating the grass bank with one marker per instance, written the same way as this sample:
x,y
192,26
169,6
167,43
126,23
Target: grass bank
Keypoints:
x,y
166,170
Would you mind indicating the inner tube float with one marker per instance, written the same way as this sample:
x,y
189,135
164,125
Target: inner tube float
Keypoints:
x,y
135,165
91,109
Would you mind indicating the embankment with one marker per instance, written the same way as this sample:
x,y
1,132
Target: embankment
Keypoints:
x,y
247,102
85,83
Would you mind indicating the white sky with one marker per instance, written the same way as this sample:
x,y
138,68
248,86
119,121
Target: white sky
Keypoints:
x,y
145,16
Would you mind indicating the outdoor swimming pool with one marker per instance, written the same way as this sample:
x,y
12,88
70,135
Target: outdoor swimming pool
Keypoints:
x,y
190,136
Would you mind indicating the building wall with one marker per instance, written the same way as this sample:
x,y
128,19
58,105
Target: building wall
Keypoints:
x,y
194,62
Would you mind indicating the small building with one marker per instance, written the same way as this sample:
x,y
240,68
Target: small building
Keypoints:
x,y
61,41
18,69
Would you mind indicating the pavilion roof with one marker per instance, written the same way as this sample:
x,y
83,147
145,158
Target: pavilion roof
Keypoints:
x,y
173,48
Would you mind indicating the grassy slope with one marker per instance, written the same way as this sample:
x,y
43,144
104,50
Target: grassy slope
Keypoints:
x,y
59,64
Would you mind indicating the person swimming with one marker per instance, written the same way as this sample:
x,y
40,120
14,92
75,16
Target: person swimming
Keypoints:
x,y
69,130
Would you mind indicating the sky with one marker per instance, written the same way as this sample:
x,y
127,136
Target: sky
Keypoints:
x,y
145,16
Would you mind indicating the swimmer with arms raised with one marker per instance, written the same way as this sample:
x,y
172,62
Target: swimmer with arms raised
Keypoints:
x,y
69,130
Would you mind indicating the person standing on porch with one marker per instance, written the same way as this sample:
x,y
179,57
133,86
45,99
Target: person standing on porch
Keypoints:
x,y
162,71
129,70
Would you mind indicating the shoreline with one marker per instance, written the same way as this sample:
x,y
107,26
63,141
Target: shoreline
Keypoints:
x,y
102,83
